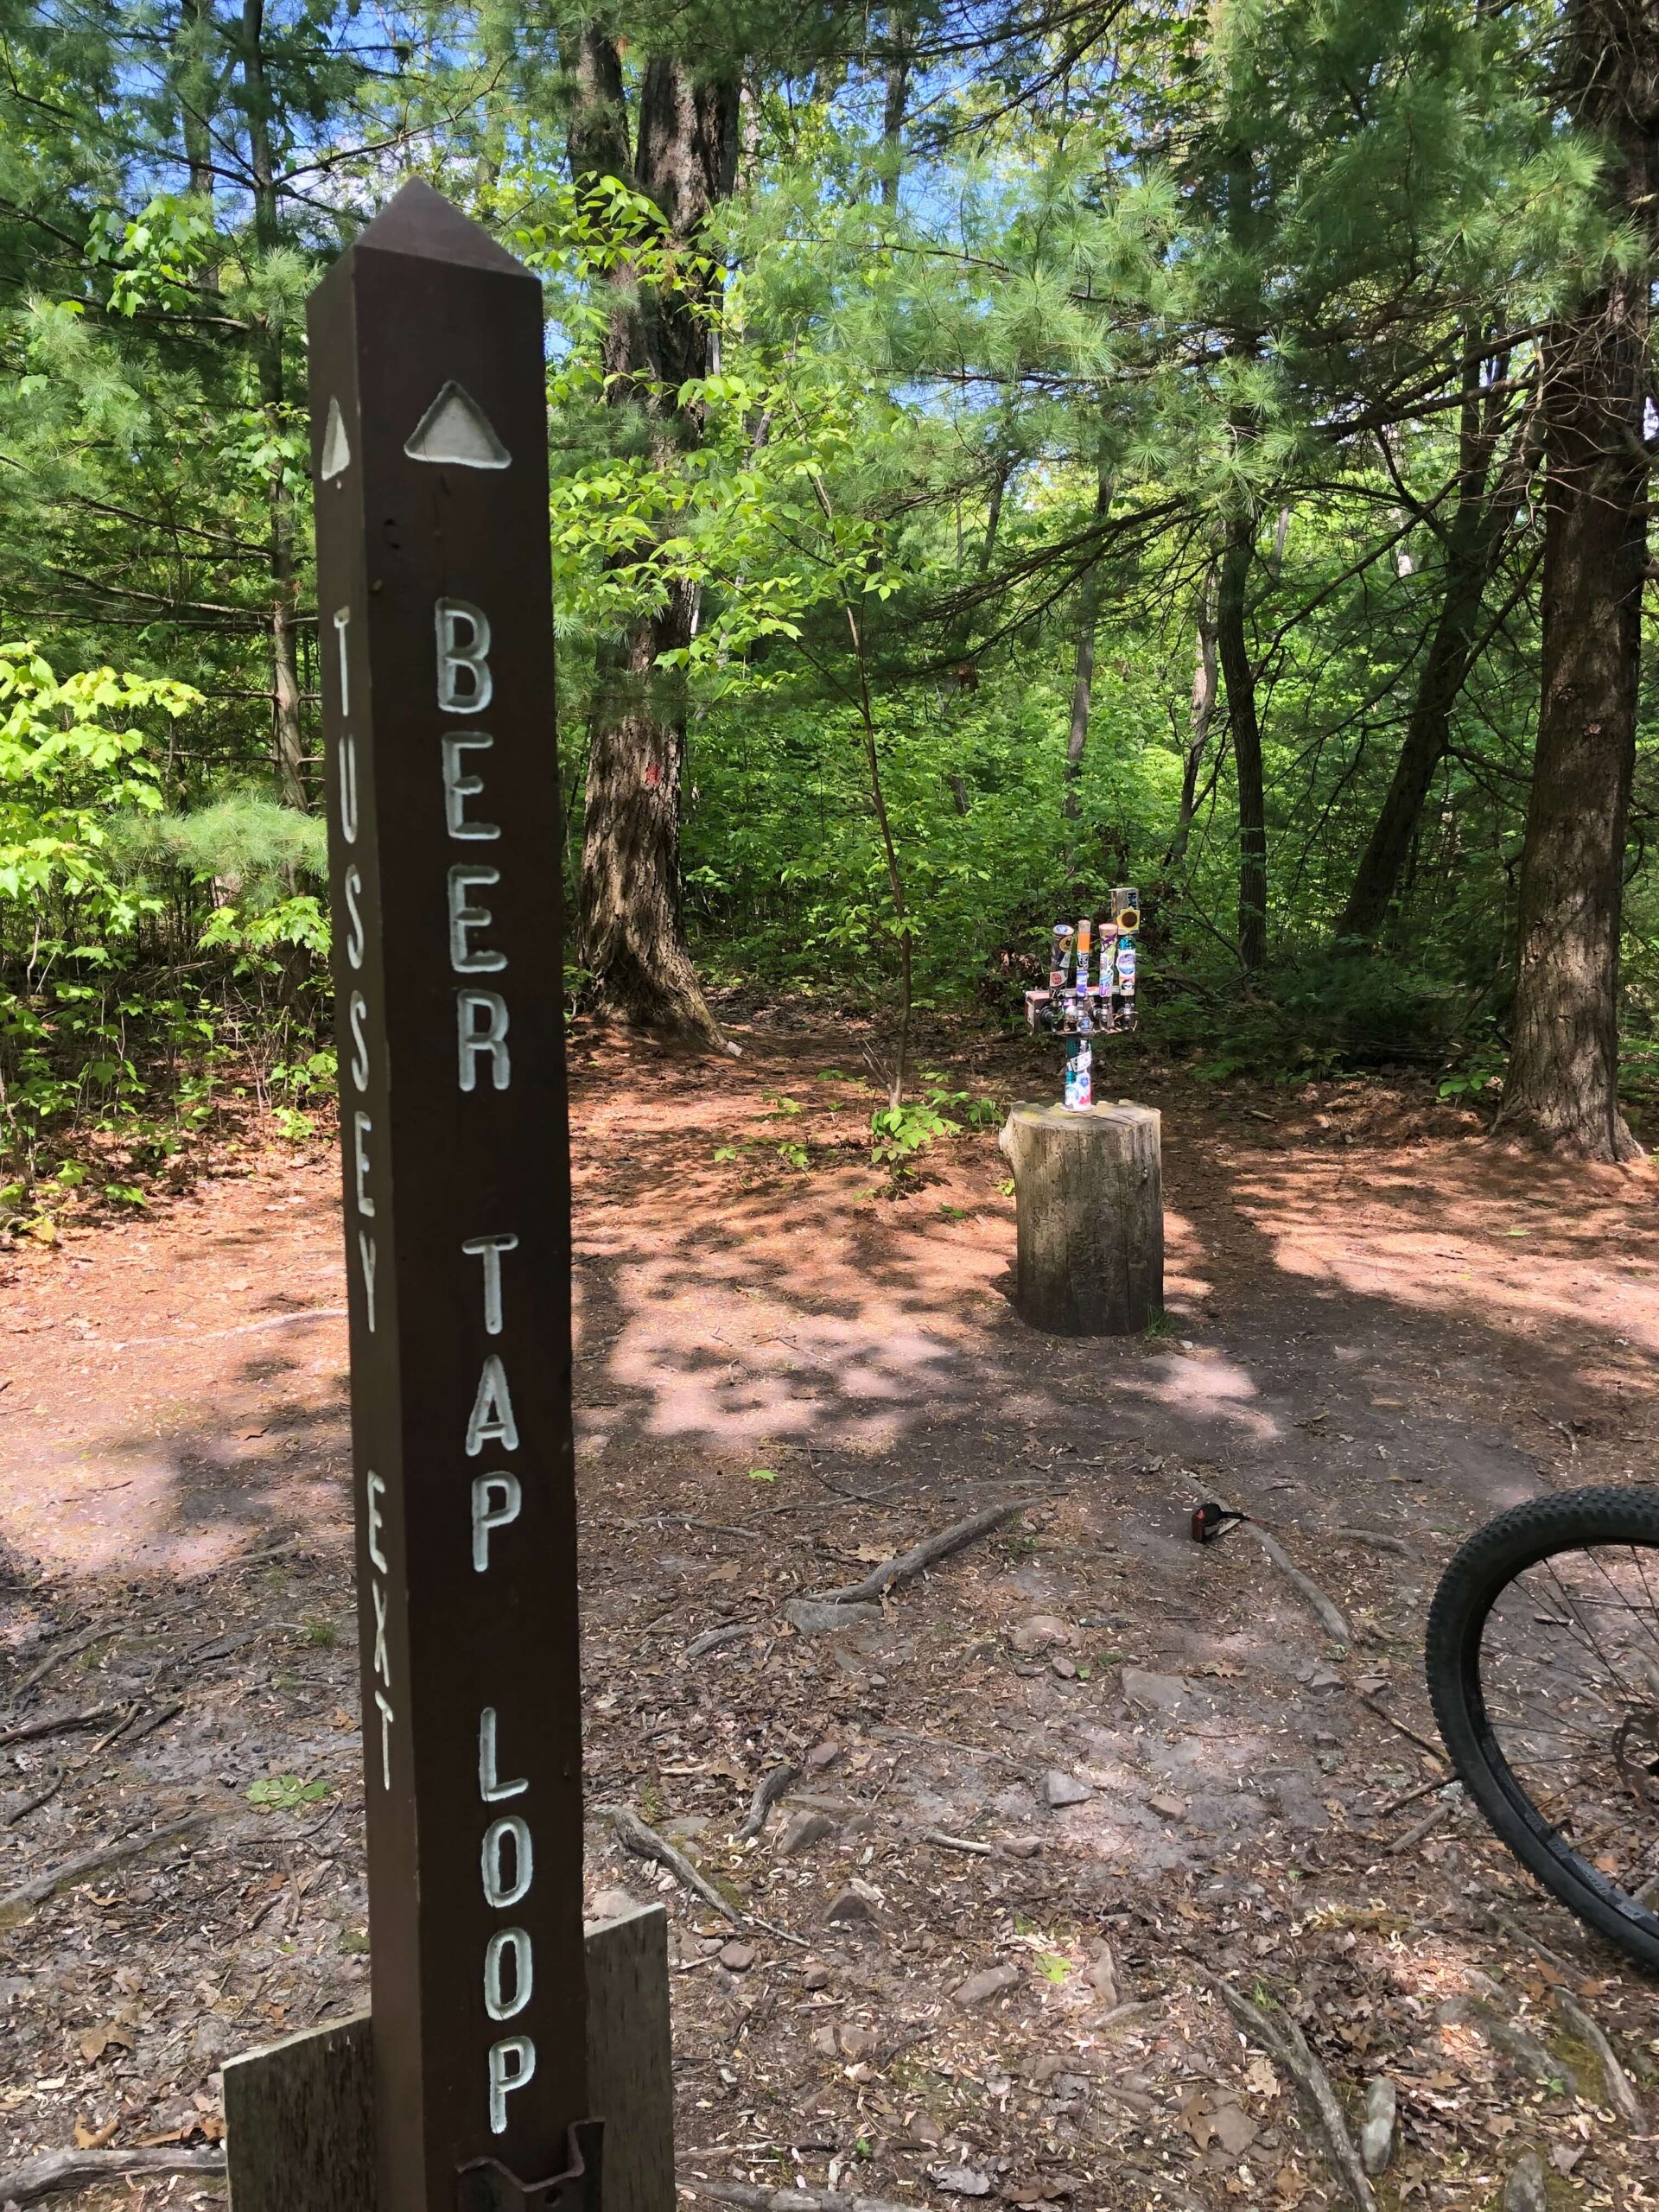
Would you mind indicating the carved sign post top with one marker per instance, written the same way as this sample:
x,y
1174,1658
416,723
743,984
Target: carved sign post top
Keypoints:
x,y
436,650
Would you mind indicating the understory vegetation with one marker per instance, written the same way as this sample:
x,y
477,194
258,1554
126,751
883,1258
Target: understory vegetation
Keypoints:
x,y
998,453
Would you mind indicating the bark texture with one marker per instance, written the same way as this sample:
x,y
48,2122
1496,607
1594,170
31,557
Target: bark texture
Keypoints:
x,y
1562,1086
1243,723
1089,1199
658,337
1201,713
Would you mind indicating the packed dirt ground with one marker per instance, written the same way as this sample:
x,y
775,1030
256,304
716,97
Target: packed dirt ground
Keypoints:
x,y
1051,1798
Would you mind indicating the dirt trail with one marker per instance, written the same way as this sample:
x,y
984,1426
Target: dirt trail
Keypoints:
x,y
1378,1324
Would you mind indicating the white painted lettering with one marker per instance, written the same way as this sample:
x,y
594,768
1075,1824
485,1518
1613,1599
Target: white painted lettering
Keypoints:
x,y
463,645
491,1789
365,1255
354,932
382,1664
459,785
464,918
491,1417
497,1890
376,1489
513,1942
342,616
359,1015
361,1126
513,2062
348,789
387,1716
496,1500
491,1038
489,1249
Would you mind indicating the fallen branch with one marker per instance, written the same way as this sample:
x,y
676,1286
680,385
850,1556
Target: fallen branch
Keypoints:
x,y
32,1804
55,2170
1430,1821
894,1572
712,1639
58,1724
768,1790
18,1904
1379,1541
1400,1728
152,1721
59,1652
1620,2094
1410,1797
1330,1615
1529,1941
957,1843
645,1843
1287,2045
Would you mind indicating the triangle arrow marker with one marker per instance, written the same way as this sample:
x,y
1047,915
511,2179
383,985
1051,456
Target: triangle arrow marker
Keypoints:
x,y
336,453
455,432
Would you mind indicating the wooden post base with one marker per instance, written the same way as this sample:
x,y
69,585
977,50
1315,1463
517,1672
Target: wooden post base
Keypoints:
x,y
299,2115
1089,1192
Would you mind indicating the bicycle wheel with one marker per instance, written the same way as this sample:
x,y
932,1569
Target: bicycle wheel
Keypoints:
x,y
1543,1667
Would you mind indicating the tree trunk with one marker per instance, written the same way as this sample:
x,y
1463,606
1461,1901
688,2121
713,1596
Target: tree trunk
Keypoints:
x,y
630,935
1562,1085
1201,713
1089,1217
1480,522
288,736
1083,679
895,91
1233,647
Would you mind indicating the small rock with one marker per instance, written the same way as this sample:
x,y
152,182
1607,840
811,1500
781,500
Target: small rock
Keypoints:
x,y
824,2042
960,2181
857,2043
1022,1847
815,1978
979,1988
802,1830
1065,1788
1040,1630
1525,2191
1064,1668
849,1907
1173,1809
925,2131
812,1617
1376,2135
822,1755
1153,1693
612,1904
739,1957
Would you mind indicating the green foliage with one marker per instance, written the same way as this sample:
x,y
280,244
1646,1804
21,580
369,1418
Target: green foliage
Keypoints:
x,y
285,1793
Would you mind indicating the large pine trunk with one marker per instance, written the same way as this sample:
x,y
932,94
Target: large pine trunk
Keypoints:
x,y
1562,1085
631,941
1244,724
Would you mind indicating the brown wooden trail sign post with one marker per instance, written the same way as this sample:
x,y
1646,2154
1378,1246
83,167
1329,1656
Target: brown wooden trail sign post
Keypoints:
x,y
429,450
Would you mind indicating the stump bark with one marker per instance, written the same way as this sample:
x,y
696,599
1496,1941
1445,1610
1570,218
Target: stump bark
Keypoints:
x,y
1089,1196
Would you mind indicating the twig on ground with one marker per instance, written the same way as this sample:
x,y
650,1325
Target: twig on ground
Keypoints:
x,y
129,1715
31,1804
56,1723
894,1572
712,1639
59,1652
1287,2045
1529,1941
957,1843
1379,1541
1330,1615
1430,1821
152,1721
65,2170
18,1904
768,1790
1620,2094
1400,1728
1410,1797
633,1835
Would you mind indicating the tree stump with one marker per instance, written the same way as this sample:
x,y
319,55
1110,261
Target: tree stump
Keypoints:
x,y
1089,1194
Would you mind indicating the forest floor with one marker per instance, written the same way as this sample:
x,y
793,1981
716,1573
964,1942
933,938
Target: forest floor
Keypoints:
x,y
1383,1329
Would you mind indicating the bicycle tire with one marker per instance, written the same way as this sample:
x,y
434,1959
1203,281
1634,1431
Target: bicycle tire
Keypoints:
x,y
1472,1583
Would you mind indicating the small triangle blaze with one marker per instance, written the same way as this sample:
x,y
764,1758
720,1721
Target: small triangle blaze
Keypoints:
x,y
454,432
336,452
